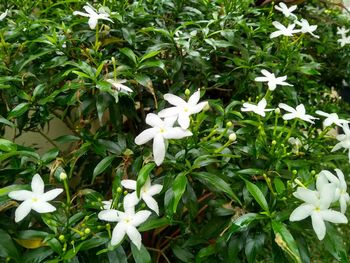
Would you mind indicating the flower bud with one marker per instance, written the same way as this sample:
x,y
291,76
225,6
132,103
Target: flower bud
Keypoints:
x,y
294,172
206,107
187,92
113,60
232,137
87,231
63,176
119,190
277,111
273,142
61,238
229,124
125,192
313,172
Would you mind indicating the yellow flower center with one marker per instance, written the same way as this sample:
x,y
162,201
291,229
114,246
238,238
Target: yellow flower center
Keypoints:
x,y
127,220
34,199
162,130
185,109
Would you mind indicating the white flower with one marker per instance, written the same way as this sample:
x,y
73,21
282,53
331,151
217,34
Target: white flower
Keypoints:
x,y
306,27
342,31
107,204
344,140
118,85
325,177
258,109
182,109
146,193
271,80
160,132
317,205
344,40
298,112
287,12
93,15
331,118
35,199
296,144
127,223
282,30
3,15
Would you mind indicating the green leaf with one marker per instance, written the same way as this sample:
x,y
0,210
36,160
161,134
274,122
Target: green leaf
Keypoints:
x,y
7,146
38,90
50,155
150,55
279,185
7,122
143,176
285,240
140,256
154,223
102,166
129,53
67,139
334,244
179,187
258,195
7,247
152,64
19,110
14,187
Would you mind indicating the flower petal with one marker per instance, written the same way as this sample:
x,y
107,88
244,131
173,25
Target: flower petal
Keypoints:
x,y
301,212
118,234
193,100
140,217
151,203
168,112
23,210
80,14
318,225
109,215
307,195
129,184
158,149
93,22
286,107
184,120
154,120
52,194
197,108
333,216
145,136
177,133
155,189
37,184
134,236
20,195
175,100
43,207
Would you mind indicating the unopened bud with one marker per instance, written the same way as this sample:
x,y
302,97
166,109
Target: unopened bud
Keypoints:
x,y
313,172
61,238
63,176
187,92
119,190
294,172
277,111
232,137
206,107
87,231
229,124
125,192
113,60
273,142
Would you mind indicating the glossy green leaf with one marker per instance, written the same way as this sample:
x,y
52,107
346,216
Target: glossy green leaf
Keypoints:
x,y
102,166
258,195
140,255
19,110
179,187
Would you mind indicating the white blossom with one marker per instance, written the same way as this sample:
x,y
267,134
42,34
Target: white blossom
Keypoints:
x,y
93,15
306,27
118,85
258,109
287,11
282,30
331,118
35,199
298,112
272,80
344,140
3,15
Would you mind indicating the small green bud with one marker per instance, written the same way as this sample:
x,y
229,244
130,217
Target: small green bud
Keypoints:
x,y
72,242
125,192
277,111
206,107
99,199
229,124
87,231
187,92
63,176
113,60
119,190
313,172
285,122
232,137
61,238
282,145
273,142
294,172
83,225
108,226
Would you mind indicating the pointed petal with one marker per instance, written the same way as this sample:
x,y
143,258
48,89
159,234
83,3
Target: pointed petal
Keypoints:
x,y
289,116
89,10
129,184
286,107
333,216
301,212
140,217
43,207
151,203
80,14
158,149
199,107
327,196
155,189
145,136
318,225
343,202
154,120
322,113
193,100
169,121
176,133
118,234
278,25
52,194
174,100
23,210
261,79
130,201
134,236
21,195
168,112
275,34
93,22
307,195
37,184
109,215
184,120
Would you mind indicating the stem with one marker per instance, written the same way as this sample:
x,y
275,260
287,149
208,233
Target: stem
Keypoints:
x,y
96,39
66,188
290,130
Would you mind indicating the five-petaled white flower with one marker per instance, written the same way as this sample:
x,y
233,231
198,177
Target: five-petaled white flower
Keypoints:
x,y
325,177
282,30
317,205
161,131
287,11
345,40
93,15
3,15
118,85
342,31
298,112
258,109
271,80
35,199
182,109
306,27
127,222
146,193
331,118
344,140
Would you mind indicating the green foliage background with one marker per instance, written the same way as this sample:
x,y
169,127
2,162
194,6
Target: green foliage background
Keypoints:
x,y
226,205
